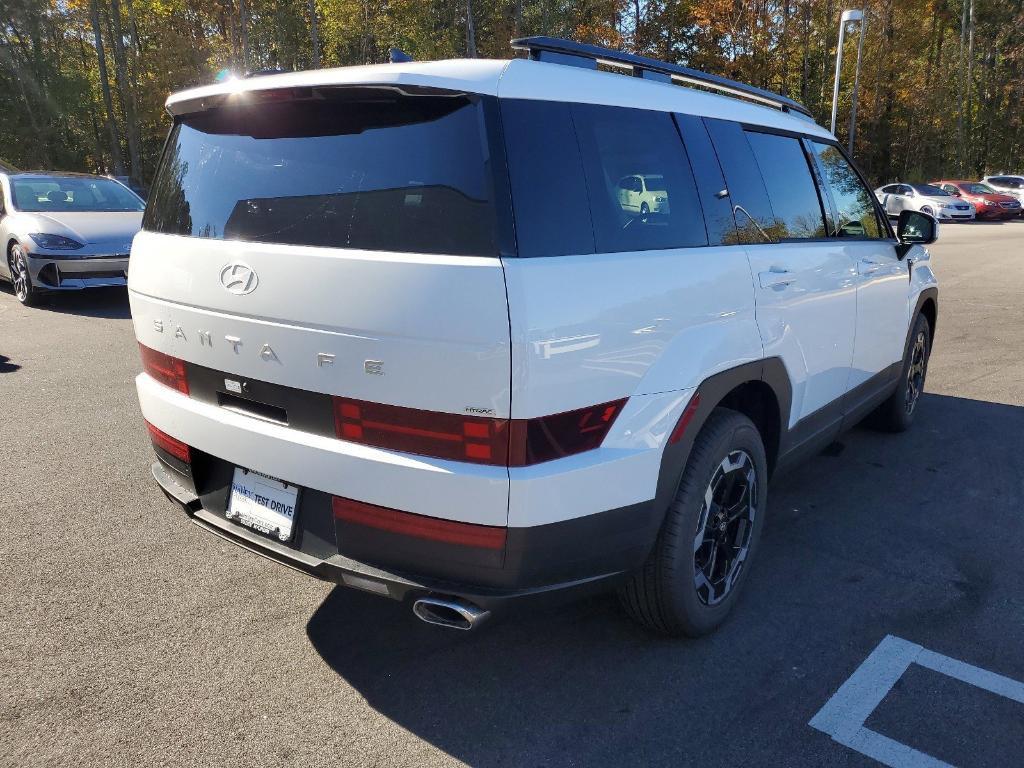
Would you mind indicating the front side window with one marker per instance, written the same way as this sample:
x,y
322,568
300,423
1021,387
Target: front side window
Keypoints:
x,y
854,202
69,194
929,190
658,208
365,168
791,189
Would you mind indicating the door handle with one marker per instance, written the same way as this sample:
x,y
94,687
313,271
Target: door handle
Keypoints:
x,y
868,266
776,276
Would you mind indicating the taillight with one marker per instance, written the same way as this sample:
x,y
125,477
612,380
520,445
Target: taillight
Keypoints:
x,y
501,442
419,526
172,445
169,371
442,435
562,434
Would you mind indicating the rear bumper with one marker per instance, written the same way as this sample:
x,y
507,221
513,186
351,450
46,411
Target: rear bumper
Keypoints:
x,y
310,556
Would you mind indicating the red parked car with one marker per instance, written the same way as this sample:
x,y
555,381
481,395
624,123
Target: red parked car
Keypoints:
x,y
988,204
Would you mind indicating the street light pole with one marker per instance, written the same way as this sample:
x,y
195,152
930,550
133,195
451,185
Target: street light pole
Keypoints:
x,y
852,15
856,82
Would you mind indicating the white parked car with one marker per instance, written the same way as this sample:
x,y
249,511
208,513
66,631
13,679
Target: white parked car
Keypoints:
x,y
643,194
934,201
1007,185
398,330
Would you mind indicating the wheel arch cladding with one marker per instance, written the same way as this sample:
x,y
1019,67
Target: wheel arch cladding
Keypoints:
x,y
928,305
760,390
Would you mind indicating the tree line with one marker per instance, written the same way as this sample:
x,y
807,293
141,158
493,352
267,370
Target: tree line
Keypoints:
x,y
83,82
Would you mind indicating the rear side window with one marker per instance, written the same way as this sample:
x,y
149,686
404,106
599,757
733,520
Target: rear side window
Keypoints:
x,y
855,205
549,194
791,189
641,188
754,215
714,196
363,168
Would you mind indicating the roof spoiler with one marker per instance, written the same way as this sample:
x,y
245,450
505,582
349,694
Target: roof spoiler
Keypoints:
x,y
558,51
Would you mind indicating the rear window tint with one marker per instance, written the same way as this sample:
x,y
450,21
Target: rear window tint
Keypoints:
x,y
549,194
754,215
641,188
714,195
363,168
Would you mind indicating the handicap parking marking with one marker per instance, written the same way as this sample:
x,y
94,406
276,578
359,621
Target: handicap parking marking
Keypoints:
x,y
844,715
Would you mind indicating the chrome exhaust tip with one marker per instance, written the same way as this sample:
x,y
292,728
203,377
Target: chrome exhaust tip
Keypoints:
x,y
450,612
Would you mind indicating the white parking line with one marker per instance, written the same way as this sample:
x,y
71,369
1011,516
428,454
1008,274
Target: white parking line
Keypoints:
x,y
844,715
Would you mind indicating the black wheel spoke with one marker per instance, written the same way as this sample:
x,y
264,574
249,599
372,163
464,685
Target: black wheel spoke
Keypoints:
x,y
724,527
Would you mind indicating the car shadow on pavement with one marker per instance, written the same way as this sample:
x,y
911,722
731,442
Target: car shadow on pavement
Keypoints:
x,y
109,303
6,366
890,542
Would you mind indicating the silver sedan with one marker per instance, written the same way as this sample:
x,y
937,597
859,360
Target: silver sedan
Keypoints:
x,y
934,201
65,231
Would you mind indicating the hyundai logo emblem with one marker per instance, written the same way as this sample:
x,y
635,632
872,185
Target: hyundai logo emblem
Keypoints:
x,y
239,278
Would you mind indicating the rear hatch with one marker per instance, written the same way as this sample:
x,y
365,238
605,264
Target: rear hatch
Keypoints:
x,y
339,240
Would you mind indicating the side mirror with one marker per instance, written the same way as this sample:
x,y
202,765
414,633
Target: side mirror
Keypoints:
x,y
915,228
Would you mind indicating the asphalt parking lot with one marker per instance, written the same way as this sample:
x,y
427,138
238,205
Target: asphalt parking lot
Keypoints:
x,y
130,637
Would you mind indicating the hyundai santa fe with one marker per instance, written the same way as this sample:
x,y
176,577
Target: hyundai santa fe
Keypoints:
x,y
401,329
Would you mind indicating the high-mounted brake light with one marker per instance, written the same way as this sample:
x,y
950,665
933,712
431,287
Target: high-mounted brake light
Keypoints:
x,y
501,442
169,371
419,526
172,445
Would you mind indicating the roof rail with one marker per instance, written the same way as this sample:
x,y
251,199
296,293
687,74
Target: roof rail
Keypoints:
x,y
559,51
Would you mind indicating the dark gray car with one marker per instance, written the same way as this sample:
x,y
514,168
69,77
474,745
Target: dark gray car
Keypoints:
x,y
65,231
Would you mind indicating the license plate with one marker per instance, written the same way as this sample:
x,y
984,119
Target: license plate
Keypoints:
x,y
262,503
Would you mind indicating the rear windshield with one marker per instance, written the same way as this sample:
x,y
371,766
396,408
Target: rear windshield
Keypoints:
x,y
365,168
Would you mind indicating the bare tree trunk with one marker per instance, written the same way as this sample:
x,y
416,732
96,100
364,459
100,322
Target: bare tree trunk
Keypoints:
x,y
127,95
243,33
517,18
805,72
470,31
314,32
785,47
960,92
969,118
108,101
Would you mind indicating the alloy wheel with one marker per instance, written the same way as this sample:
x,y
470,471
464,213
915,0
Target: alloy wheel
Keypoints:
x,y
19,273
916,372
724,526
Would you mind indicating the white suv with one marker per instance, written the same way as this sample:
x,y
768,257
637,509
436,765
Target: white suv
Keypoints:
x,y
399,331
1007,185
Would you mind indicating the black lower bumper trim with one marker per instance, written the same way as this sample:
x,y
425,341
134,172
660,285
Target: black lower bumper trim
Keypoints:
x,y
349,572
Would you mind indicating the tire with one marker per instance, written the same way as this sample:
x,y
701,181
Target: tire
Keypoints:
x,y
21,280
897,413
672,593
645,209
927,209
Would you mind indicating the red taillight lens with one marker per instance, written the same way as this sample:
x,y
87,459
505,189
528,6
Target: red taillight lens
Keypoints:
x,y
502,442
684,420
419,526
563,434
443,435
168,370
173,446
